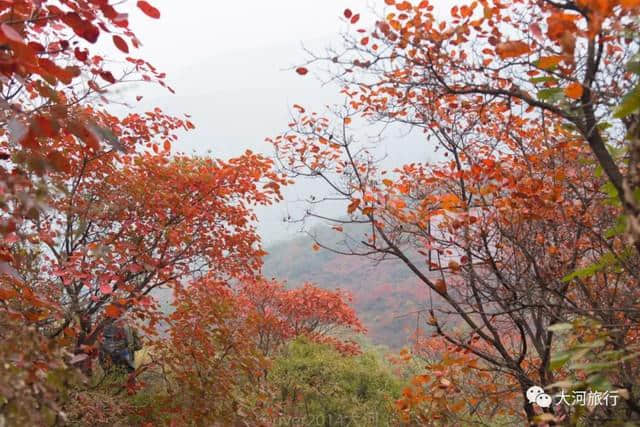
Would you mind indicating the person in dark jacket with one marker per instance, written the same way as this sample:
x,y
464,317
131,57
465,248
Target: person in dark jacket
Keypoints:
x,y
120,341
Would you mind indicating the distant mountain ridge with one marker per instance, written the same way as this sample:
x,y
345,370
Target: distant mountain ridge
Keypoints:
x,y
384,292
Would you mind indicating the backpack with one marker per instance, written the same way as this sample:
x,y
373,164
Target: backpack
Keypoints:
x,y
115,339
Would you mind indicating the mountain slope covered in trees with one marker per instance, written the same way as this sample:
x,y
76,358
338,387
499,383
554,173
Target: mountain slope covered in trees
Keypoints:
x,y
385,293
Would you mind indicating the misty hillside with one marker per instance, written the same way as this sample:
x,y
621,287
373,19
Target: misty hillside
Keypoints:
x,y
382,291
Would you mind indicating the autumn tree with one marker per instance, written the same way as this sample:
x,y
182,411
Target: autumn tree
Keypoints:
x,y
519,97
283,314
122,225
212,366
52,69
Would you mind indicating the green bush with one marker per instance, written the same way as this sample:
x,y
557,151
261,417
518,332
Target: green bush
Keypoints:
x,y
318,386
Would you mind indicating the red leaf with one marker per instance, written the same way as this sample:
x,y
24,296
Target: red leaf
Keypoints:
x,y
88,32
112,311
355,18
120,43
167,146
11,33
81,55
536,31
108,76
302,71
148,9
347,13
106,289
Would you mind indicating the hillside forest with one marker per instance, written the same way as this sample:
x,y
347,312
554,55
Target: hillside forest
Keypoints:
x,y
496,284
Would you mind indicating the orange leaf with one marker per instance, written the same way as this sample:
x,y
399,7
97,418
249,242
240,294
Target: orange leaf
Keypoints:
x,y
573,90
549,61
112,311
347,120
7,293
512,49
630,4
353,205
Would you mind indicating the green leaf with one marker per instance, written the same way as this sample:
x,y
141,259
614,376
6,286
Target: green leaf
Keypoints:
x,y
557,327
599,171
609,188
630,104
634,67
604,126
545,79
599,382
618,229
551,94
605,260
559,360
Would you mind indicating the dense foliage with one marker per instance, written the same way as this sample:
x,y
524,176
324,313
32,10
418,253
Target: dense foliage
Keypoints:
x,y
524,235
529,218
316,385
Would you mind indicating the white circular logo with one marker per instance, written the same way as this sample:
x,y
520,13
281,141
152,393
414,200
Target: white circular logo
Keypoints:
x,y
536,394
533,392
543,400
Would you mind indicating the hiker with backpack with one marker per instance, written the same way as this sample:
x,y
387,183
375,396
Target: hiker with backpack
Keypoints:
x,y
119,344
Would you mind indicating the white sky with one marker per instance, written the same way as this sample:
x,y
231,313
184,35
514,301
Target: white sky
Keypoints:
x,y
229,63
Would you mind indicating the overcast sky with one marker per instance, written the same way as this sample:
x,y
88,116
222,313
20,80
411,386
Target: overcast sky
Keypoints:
x,y
230,65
